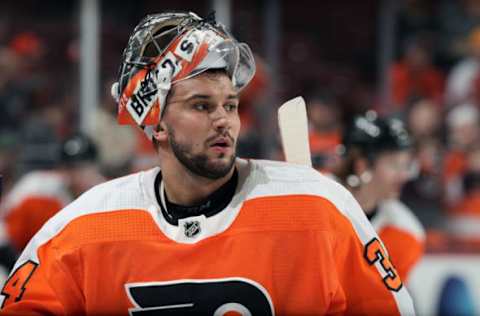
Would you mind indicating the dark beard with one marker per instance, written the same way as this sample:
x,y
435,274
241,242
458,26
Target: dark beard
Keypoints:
x,y
198,164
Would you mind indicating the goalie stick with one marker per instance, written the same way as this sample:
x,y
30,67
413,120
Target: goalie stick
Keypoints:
x,y
293,124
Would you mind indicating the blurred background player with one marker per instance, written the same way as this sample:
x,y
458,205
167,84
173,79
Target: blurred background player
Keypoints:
x,y
377,162
39,194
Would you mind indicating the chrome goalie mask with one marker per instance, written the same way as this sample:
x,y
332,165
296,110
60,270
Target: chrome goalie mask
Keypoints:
x,y
166,48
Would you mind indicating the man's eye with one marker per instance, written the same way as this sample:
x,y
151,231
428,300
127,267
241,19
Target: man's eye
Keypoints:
x,y
231,107
200,106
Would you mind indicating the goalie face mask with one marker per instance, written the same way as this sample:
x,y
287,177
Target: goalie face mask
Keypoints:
x,y
166,48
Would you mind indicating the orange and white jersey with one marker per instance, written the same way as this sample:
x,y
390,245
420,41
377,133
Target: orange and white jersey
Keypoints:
x,y
36,197
402,234
290,242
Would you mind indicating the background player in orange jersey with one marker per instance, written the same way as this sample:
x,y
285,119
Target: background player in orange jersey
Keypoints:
x,y
40,194
205,233
377,163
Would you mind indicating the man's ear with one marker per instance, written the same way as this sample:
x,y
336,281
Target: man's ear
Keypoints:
x,y
160,133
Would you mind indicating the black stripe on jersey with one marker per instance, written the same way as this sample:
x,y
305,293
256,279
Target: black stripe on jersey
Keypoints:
x,y
213,204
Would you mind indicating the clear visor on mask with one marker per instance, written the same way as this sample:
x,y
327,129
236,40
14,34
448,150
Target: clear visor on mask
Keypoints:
x,y
235,58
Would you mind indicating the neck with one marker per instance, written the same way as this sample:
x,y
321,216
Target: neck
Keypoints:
x,y
186,188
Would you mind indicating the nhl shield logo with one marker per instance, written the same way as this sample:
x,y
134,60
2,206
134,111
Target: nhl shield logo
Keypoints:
x,y
191,228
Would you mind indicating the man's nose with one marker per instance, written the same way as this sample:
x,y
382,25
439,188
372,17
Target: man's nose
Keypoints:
x,y
220,118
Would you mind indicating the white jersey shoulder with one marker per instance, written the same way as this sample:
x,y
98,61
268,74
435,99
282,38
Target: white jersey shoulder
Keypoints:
x,y
275,178
122,193
37,184
125,193
393,212
278,177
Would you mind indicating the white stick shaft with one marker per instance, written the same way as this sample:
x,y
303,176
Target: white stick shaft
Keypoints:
x,y
293,124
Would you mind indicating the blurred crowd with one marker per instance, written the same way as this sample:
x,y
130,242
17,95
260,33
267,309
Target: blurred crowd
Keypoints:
x,y
433,88
434,84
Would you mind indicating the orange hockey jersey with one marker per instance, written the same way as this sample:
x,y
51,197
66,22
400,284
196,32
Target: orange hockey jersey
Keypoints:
x,y
290,242
402,233
32,201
